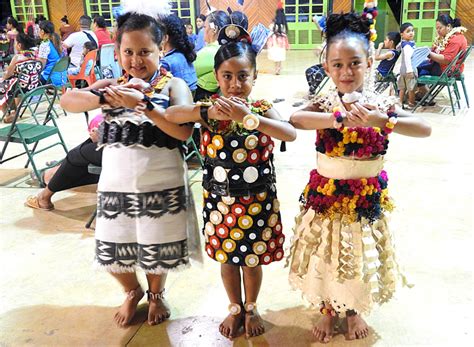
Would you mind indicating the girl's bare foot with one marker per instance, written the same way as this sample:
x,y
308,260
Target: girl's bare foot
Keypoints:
x,y
357,328
126,312
324,329
253,324
231,325
158,310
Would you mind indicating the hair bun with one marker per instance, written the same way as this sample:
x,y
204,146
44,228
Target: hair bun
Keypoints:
x,y
233,33
337,23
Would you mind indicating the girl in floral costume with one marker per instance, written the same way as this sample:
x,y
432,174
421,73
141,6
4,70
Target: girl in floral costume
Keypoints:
x,y
242,223
342,256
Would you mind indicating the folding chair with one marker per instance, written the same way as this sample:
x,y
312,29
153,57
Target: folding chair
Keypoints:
x,y
389,79
437,83
5,53
90,78
192,150
30,132
60,68
94,170
459,75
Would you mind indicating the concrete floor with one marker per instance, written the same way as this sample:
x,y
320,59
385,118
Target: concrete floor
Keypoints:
x,y
50,295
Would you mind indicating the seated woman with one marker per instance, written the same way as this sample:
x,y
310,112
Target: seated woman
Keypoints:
x,y
49,51
449,42
179,52
204,63
72,171
23,69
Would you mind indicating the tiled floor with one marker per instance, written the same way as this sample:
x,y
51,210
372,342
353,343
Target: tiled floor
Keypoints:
x,y
50,295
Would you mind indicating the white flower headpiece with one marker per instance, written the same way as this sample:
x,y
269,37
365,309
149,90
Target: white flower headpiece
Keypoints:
x,y
154,9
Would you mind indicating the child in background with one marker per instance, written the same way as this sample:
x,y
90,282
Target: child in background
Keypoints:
x,y
389,58
88,46
277,43
192,37
408,75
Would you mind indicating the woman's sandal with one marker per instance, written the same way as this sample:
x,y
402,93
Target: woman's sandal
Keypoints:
x,y
33,202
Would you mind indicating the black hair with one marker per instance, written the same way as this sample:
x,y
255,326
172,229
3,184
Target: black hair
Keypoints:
x,y
14,23
239,18
90,45
85,21
280,24
202,17
27,42
48,29
235,49
395,37
347,26
219,18
100,22
405,26
30,31
447,20
39,19
65,20
178,38
133,22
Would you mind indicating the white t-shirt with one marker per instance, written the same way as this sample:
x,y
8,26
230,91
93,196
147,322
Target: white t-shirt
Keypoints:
x,y
76,41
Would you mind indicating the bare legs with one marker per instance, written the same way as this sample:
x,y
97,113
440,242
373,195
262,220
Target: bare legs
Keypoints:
x,y
134,293
230,275
45,195
277,67
324,329
357,328
158,311
252,280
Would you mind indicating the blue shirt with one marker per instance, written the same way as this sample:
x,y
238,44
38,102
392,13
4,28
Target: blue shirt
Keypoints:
x,y
176,63
386,64
53,57
200,43
192,38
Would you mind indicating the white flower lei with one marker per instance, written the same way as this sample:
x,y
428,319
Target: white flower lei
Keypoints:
x,y
330,100
440,43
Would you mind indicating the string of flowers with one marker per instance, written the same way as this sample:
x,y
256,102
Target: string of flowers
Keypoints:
x,y
440,42
357,198
359,142
230,126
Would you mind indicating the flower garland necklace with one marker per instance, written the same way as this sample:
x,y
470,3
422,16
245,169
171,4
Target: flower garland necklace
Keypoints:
x,y
441,42
230,126
157,83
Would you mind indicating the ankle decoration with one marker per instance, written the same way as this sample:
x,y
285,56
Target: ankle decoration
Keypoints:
x,y
132,294
155,296
250,306
234,309
350,313
327,311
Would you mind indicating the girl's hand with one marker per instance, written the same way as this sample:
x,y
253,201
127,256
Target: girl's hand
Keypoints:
x,y
369,115
235,108
136,83
123,96
214,112
94,135
380,45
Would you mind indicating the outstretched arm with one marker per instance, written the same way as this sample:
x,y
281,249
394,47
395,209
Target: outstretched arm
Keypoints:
x,y
310,118
81,100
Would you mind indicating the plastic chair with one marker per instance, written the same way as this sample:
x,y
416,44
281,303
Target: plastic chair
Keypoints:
x,y
81,76
34,130
438,83
60,67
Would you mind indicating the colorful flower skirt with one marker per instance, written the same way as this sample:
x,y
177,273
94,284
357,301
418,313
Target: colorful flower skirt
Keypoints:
x,y
347,262
243,231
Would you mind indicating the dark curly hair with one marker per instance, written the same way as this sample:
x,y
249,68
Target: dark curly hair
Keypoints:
x,y
178,38
347,26
132,22
27,42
